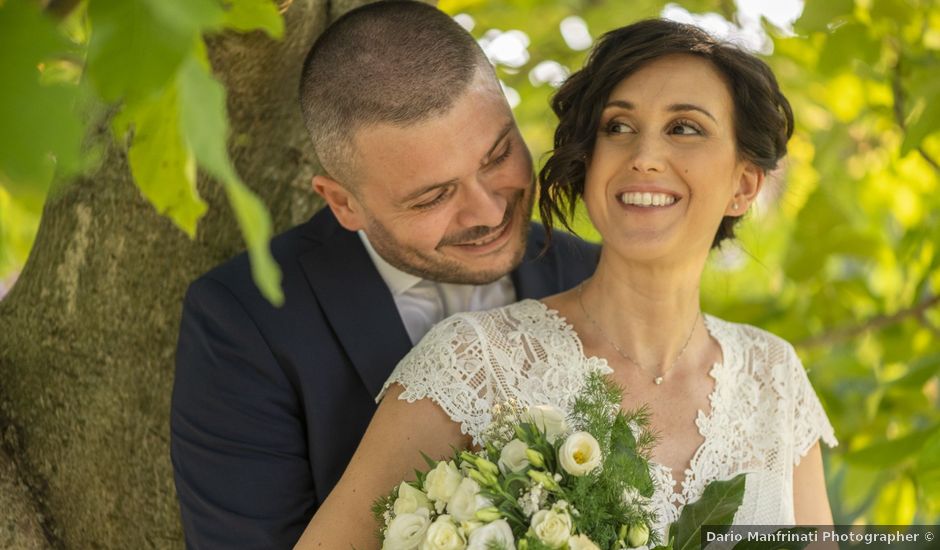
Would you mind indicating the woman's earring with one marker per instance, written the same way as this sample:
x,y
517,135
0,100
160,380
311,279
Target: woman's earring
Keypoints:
x,y
734,206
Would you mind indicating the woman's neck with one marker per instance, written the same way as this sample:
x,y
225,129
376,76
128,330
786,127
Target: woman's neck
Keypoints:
x,y
651,313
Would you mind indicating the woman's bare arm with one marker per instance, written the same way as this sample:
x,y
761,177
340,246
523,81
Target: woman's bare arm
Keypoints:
x,y
388,453
810,501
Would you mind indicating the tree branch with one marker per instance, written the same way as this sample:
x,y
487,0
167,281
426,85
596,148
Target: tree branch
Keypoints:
x,y
875,323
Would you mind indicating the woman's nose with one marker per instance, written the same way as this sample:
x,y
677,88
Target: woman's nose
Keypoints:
x,y
647,154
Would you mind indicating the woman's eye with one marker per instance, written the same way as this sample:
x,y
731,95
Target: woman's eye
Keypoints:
x,y
616,127
685,128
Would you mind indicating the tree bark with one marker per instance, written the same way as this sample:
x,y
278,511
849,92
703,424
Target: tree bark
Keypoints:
x,y
88,332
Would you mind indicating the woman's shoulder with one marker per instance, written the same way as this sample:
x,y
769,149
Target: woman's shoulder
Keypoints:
x,y
742,335
755,352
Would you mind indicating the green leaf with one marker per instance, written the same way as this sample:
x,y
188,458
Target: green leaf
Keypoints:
x,y
163,166
921,370
623,453
928,472
929,459
249,15
848,44
891,452
205,125
717,506
39,130
137,46
819,14
897,11
927,121
255,223
205,120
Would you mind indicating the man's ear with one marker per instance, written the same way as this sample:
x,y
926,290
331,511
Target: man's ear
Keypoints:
x,y
750,183
342,202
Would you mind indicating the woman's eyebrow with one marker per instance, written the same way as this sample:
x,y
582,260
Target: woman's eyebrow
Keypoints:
x,y
674,108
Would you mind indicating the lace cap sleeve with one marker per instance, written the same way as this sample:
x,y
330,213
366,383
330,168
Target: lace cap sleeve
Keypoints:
x,y
448,367
810,423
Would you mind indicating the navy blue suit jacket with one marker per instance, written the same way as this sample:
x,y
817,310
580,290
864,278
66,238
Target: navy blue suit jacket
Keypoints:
x,y
270,403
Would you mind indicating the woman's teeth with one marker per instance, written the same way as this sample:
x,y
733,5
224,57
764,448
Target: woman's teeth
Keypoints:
x,y
647,199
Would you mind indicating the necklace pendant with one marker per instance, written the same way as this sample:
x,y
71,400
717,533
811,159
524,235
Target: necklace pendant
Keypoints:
x,y
658,380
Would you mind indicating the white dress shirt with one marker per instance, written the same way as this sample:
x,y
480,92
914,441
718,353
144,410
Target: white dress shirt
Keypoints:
x,y
422,303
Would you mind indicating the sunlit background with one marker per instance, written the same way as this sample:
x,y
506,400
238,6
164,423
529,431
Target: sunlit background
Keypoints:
x,y
839,257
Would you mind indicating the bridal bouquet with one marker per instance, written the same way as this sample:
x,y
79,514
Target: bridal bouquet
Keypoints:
x,y
545,482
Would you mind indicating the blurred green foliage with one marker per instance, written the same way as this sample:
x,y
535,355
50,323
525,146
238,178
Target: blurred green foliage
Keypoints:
x,y
841,256
146,60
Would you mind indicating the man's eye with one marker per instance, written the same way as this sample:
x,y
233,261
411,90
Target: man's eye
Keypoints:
x,y
439,198
503,156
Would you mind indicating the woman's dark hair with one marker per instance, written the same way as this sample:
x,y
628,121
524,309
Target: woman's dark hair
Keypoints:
x,y
763,120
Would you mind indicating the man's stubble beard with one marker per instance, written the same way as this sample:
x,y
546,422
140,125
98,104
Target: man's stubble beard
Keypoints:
x,y
448,270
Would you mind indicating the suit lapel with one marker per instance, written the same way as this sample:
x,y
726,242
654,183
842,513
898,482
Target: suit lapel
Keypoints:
x,y
355,301
536,277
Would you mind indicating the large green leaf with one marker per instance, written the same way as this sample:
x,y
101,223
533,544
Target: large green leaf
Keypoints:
x,y
136,46
162,164
249,15
717,506
891,452
205,126
39,129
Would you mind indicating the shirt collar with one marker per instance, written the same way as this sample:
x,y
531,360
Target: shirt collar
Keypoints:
x,y
398,281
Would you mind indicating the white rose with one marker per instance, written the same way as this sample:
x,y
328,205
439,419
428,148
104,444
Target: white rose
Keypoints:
x,y
581,542
550,420
579,454
512,458
466,500
410,499
552,527
406,531
496,533
444,534
442,481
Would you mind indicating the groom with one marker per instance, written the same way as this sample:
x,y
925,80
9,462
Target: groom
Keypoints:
x,y
430,190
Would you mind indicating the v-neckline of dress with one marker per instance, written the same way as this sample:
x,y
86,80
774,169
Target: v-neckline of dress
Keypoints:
x,y
692,483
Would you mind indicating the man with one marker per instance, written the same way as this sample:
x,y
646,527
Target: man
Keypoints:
x,y
430,189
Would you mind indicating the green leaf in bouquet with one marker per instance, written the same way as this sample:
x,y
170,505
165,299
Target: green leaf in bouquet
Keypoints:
x,y
717,506
428,460
625,459
777,545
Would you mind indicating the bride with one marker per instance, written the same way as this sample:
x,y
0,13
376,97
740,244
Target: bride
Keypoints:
x,y
667,136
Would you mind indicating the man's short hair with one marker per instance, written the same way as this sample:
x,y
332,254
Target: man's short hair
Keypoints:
x,y
395,63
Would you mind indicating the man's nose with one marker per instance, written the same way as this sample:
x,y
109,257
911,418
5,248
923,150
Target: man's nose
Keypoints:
x,y
482,206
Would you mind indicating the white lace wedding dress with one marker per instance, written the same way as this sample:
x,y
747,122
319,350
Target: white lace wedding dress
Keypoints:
x,y
764,414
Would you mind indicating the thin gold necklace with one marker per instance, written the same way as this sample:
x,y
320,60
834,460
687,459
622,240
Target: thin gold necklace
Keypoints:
x,y
657,380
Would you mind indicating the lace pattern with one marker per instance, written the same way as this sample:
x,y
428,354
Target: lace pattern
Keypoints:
x,y
764,414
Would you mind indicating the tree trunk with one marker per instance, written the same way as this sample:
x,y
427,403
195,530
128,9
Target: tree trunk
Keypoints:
x,y
88,333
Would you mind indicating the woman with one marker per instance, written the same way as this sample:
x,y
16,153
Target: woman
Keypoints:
x,y
667,137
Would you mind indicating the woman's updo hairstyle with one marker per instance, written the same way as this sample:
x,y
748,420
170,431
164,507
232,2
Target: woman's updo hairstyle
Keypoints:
x,y
763,120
